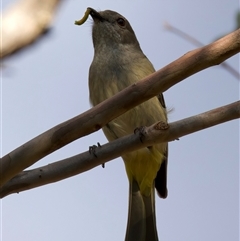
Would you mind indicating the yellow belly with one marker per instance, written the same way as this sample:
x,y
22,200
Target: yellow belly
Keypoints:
x,y
141,165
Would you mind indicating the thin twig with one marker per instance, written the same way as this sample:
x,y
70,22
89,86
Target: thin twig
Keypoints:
x,y
197,43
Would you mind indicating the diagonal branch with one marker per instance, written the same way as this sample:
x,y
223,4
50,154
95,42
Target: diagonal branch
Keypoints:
x,y
31,17
83,162
93,119
197,43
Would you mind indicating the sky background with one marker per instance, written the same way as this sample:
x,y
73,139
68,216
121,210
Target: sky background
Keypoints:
x,y
48,84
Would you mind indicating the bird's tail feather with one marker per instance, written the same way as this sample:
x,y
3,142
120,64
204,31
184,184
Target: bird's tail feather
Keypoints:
x,y
141,224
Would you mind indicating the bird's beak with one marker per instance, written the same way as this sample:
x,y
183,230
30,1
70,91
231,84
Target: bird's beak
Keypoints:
x,y
95,15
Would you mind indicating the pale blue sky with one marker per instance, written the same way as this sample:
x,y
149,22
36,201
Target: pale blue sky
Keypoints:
x,y
47,84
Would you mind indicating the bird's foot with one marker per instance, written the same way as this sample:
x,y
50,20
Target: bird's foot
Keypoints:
x,y
92,150
140,131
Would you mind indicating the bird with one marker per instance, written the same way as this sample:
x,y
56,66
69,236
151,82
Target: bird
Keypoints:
x,y
119,62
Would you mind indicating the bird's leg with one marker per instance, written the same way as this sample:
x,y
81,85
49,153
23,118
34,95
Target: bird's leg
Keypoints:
x,y
92,150
140,131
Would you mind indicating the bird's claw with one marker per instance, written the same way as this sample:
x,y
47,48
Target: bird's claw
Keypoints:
x,y
140,131
92,150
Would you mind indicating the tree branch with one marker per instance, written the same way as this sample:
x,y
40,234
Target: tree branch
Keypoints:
x,y
93,119
197,43
24,23
83,162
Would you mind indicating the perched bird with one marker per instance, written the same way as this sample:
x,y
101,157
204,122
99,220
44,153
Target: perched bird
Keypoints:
x,y
119,62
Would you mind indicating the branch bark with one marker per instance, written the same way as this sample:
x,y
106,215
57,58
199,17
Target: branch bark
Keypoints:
x,y
83,162
24,23
93,119
197,43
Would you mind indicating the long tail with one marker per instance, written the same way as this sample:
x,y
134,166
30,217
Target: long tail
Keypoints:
x,y
141,216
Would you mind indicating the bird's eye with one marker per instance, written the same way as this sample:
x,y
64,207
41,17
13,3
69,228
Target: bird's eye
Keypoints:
x,y
121,22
